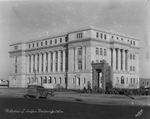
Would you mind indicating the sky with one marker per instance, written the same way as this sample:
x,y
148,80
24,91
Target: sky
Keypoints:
x,y
26,20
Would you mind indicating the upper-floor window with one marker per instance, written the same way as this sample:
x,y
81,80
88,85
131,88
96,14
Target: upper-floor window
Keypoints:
x,y
133,68
130,68
101,51
33,45
37,44
97,51
29,45
41,43
60,40
130,56
45,42
97,35
66,39
50,41
16,47
112,37
55,41
122,39
16,59
16,69
117,38
105,36
133,56
101,35
105,52
79,35
133,42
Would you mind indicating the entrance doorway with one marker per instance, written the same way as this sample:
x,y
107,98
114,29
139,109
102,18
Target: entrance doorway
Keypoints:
x,y
98,77
101,74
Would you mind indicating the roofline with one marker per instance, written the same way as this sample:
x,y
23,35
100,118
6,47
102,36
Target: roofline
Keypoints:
x,y
16,43
73,31
47,37
114,33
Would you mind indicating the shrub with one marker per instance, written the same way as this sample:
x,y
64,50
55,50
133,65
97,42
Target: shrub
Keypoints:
x,y
84,90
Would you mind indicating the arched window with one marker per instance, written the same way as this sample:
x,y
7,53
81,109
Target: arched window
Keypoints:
x,y
122,80
59,80
55,80
45,80
50,80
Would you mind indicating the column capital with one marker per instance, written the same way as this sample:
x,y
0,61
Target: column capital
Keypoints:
x,y
117,48
126,50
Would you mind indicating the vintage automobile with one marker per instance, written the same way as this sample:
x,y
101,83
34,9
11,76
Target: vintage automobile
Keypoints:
x,y
38,91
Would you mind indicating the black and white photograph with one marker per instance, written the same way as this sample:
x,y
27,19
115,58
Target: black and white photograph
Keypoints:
x,y
74,59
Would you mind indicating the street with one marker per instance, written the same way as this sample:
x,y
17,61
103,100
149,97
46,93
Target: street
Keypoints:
x,y
21,108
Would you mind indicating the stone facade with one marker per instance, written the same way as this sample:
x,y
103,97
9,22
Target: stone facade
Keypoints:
x,y
68,60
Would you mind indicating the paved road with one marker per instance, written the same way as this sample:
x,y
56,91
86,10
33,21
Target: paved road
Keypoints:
x,y
86,98
21,108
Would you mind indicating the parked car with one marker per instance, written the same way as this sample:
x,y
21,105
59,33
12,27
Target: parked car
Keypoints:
x,y
38,91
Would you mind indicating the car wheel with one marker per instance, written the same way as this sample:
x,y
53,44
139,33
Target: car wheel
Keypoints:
x,y
37,96
26,96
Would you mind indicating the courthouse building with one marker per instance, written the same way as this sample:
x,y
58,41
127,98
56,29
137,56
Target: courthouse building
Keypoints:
x,y
76,58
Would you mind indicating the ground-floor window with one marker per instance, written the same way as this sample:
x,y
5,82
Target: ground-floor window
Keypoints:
x,y
117,80
50,80
122,80
55,80
84,81
78,81
45,80
131,80
60,80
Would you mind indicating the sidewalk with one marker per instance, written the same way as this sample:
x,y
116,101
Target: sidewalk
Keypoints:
x,y
83,98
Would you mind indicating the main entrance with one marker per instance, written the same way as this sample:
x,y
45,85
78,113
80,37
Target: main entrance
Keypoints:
x,y
101,74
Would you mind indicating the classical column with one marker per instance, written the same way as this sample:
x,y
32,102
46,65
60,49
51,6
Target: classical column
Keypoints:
x,y
119,59
83,51
58,61
28,63
49,61
114,59
127,60
85,57
54,61
36,62
123,60
44,63
111,57
76,64
40,62
128,63
64,60
32,63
